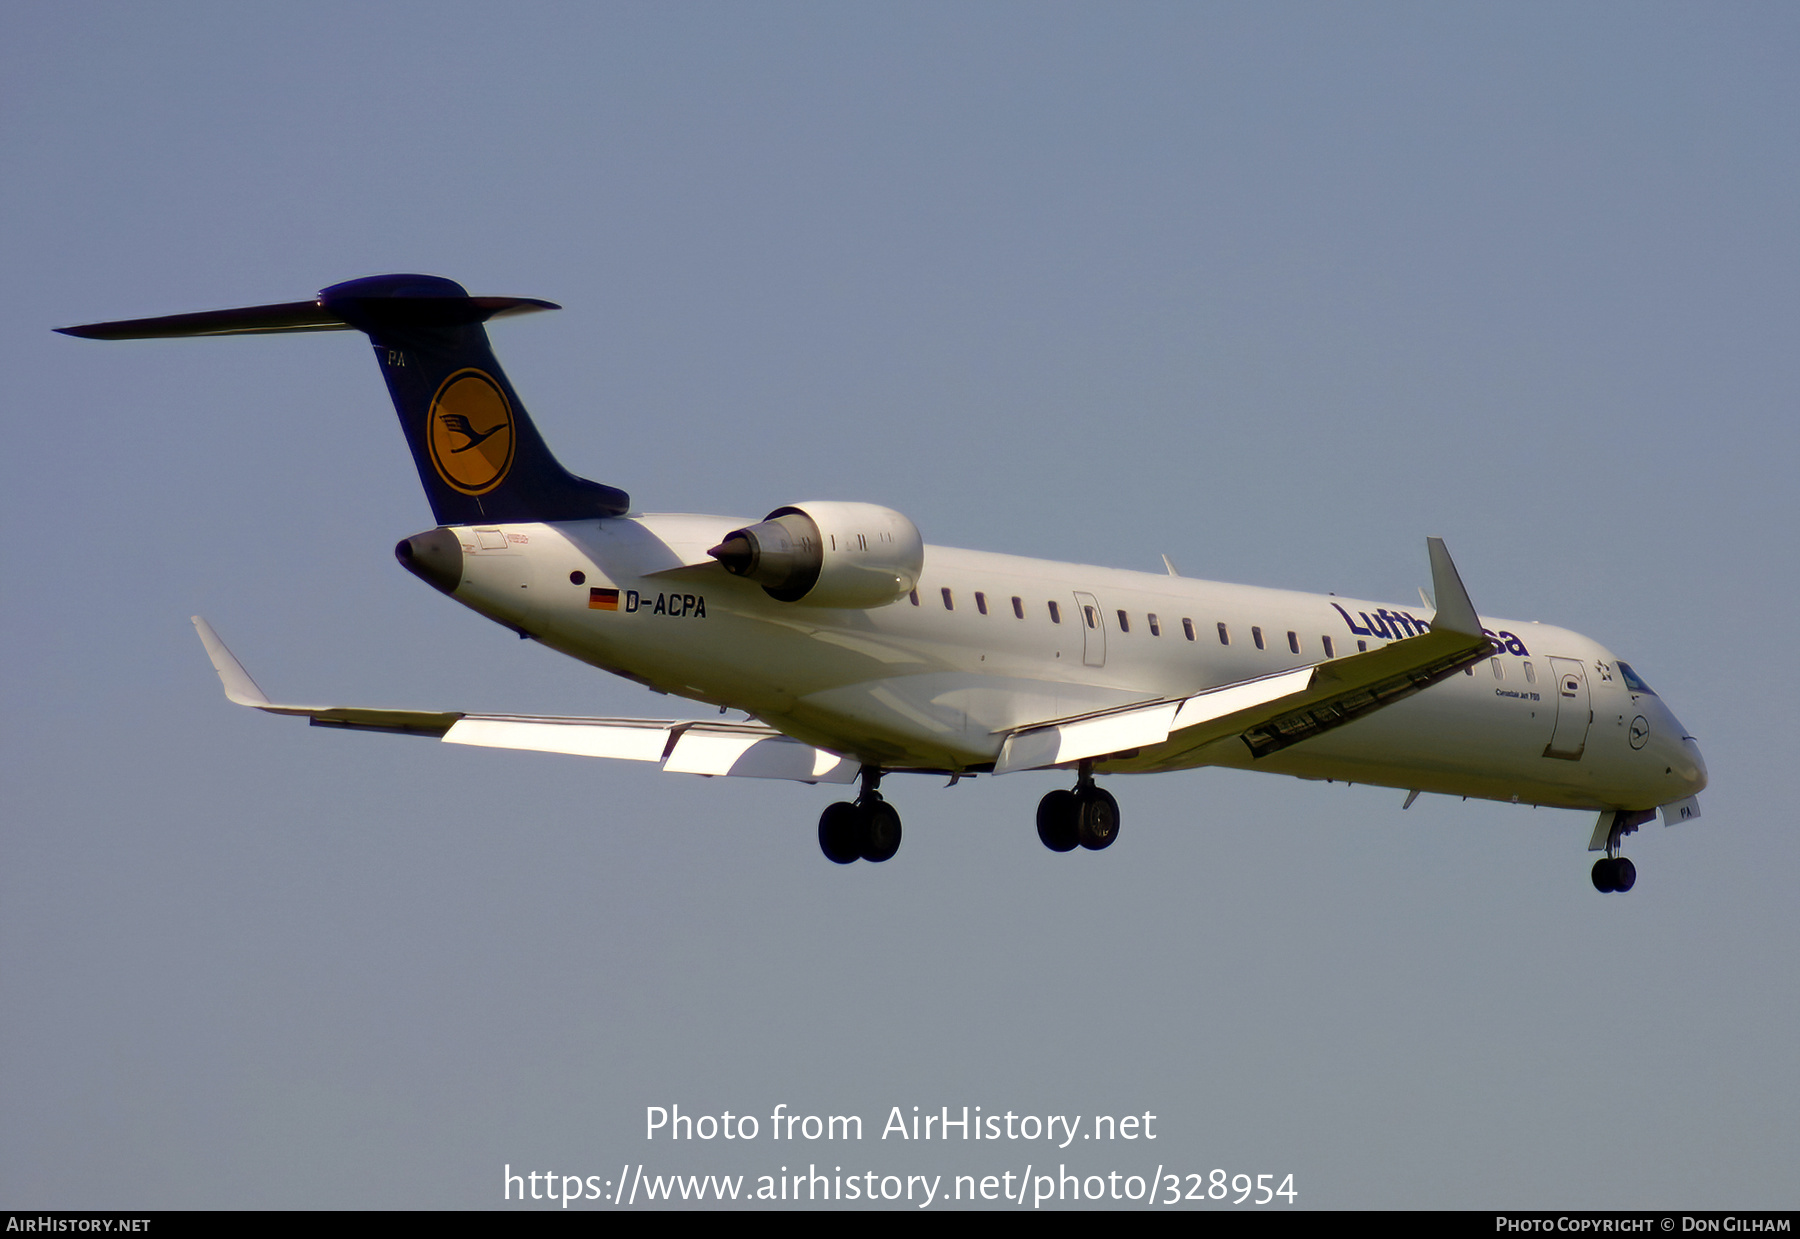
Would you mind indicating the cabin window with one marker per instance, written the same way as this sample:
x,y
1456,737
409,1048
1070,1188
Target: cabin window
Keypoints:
x,y
1018,608
1155,628
949,602
1124,623
1224,635
1362,647
1293,642
981,602
1326,642
1187,628
1499,671
1466,670
1055,613
1530,675
1256,636
915,597
1093,616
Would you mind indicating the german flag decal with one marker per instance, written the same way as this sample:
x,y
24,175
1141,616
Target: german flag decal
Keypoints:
x,y
603,600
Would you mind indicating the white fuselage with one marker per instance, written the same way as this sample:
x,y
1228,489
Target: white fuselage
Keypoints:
x,y
989,643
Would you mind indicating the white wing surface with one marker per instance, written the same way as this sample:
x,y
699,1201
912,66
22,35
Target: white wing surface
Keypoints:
x,y
1270,712
683,746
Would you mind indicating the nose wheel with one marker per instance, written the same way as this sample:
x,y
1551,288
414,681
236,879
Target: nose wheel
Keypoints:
x,y
1086,817
1614,875
868,829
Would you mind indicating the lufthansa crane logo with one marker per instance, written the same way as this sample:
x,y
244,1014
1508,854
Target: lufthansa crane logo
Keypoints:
x,y
470,431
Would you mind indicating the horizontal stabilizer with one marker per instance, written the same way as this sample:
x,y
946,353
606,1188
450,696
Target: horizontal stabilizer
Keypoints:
x,y
308,316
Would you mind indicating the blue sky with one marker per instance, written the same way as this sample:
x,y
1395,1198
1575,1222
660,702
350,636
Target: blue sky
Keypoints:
x,y
1275,290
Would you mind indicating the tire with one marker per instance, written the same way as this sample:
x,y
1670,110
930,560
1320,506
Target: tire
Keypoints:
x,y
840,833
880,831
1058,822
1604,881
1099,819
1624,875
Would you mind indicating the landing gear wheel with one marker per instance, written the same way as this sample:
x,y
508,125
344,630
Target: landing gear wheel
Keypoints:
x,y
1614,875
1099,818
1058,821
1624,875
880,830
841,833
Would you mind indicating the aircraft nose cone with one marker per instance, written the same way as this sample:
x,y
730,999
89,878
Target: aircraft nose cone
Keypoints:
x,y
435,558
1696,772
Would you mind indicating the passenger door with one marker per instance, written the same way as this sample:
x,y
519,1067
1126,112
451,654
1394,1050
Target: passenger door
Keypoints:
x,y
1573,710
1093,630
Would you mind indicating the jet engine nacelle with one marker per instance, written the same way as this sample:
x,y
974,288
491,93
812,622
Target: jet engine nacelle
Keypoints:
x,y
827,554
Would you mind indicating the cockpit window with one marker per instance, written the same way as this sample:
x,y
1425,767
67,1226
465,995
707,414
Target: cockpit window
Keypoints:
x,y
1633,681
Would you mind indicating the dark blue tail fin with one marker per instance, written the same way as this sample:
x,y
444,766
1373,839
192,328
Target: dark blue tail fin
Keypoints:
x,y
478,455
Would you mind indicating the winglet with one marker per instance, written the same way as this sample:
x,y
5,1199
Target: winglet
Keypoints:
x,y
1454,610
239,687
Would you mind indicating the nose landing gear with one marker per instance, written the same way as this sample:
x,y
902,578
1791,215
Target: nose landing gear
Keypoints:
x,y
1086,816
1614,874
867,830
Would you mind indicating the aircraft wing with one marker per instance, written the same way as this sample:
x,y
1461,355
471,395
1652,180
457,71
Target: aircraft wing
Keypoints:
x,y
682,746
1270,712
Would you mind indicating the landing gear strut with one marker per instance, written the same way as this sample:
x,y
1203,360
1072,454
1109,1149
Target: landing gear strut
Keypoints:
x,y
867,830
1614,873
1087,816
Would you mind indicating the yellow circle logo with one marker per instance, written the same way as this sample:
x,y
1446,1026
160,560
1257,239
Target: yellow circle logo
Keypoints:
x,y
470,429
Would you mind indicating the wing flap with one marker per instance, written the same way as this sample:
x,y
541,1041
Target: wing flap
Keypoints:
x,y
396,722
622,739
1076,739
703,748
1234,699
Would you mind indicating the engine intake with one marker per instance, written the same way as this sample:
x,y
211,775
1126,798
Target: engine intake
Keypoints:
x,y
826,554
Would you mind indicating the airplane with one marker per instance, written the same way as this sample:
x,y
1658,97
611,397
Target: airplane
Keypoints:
x,y
855,651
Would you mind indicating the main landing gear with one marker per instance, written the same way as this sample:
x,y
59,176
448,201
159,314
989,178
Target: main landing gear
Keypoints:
x,y
1087,816
866,830
869,829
